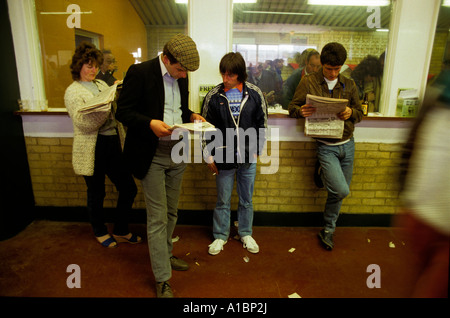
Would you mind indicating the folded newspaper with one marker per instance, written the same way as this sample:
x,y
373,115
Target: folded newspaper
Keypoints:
x,y
101,102
324,122
200,126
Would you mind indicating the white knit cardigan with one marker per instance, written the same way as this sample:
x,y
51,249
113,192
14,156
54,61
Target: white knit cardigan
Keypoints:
x,y
85,126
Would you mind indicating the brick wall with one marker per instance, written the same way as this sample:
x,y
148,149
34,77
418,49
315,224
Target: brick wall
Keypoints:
x,y
374,187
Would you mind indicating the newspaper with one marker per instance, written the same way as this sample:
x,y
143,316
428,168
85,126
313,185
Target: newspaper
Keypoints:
x,y
199,126
101,102
324,122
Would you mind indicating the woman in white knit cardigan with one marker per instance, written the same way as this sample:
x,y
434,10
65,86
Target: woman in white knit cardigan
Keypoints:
x,y
97,149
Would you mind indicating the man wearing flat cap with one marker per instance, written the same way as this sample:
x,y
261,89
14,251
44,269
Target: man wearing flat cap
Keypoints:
x,y
154,97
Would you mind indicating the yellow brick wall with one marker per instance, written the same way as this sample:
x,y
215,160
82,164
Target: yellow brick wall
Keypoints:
x,y
440,41
374,187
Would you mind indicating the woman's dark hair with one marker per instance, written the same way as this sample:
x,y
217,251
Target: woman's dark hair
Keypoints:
x,y
333,54
233,63
370,65
85,53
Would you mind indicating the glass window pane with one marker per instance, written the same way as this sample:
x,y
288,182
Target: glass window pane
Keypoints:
x,y
440,57
283,29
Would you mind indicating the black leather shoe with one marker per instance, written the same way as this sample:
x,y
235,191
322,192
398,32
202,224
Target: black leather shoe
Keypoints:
x,y
178,264
317,177
327,239
163,290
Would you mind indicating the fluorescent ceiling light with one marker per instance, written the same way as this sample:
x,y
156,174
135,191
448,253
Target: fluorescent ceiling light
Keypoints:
x,y
362,3
446,3
234,1
382,30
271,12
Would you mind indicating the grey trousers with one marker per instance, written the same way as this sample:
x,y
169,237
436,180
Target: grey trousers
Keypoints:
x,y
161,187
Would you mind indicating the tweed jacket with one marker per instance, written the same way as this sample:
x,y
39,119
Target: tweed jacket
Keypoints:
x,y
85,126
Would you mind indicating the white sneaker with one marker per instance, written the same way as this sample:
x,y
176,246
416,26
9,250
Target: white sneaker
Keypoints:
x,y
250,244
216,246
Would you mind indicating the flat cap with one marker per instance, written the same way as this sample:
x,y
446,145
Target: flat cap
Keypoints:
x,y
184,50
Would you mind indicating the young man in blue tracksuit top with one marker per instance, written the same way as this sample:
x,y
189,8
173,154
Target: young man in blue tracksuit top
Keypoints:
x,y
239,112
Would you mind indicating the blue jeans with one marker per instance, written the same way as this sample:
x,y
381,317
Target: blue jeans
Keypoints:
x,y
161,187
337,171
245,181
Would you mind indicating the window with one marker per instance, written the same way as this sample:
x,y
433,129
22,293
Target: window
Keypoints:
x,y
269,31
440,56
134,31
86,36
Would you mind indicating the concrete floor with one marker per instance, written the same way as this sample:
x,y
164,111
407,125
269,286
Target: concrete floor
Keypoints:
x,y
34,264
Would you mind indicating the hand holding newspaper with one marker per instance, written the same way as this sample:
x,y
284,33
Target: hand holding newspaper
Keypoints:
x,y
324,122
101,102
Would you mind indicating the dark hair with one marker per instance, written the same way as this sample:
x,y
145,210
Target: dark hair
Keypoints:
x,y
333,54
370,65
169,55
234,63
85,53
310,54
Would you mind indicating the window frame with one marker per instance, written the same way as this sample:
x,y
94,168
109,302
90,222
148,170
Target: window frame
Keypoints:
x,y
30,72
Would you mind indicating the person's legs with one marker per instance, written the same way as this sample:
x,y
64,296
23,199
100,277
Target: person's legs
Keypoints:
x,y
161,187
245,181
96,191
95,196
221,215
123,180
431,249
174,177
337,170
154,189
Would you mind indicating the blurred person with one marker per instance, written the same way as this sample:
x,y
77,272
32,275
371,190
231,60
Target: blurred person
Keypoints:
x,y
154,97
97,148
300,58
107,69
277,66
367,76
238,106
293,63
334,168
266,81
346,70
311,64
268,65
425,190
